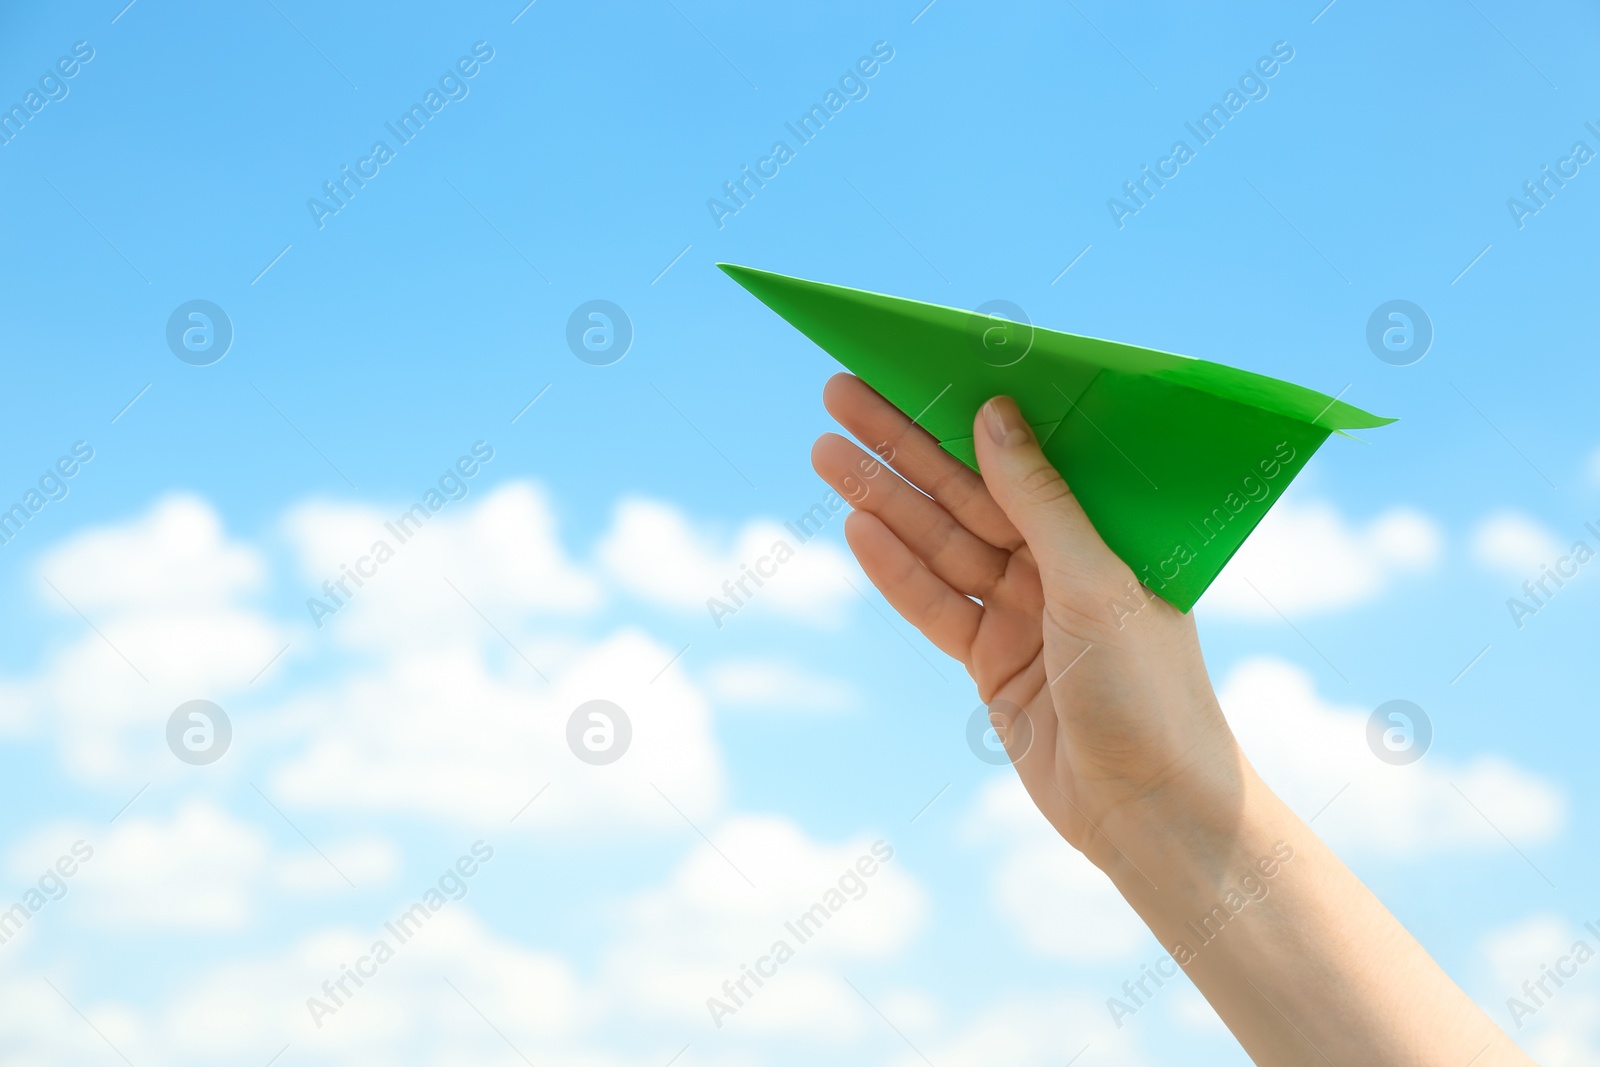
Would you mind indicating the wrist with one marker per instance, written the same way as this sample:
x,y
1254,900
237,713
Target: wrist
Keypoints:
x,y
1193,827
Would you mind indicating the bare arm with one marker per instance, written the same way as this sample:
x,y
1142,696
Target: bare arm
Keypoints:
x,y
1099,691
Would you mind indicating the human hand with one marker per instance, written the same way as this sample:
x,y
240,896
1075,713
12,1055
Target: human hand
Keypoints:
x,y
1095,685
1098,690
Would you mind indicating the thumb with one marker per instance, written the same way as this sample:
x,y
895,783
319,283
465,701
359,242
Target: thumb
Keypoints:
x,y
1071,555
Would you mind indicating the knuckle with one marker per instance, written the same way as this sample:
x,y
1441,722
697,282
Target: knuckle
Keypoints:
x,y
1043,485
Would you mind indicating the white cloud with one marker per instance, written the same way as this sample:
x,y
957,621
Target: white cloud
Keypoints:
x,y
1033,1030
1056,902
912,1009
195,872
200,869
427,700
1514,544
1309,749
1307,557
175,555
653,550
777,684
163,625
451,672
469,664
41,1028
686,938
677,942
407,1012
464,733
1563,1029
367,862
498,554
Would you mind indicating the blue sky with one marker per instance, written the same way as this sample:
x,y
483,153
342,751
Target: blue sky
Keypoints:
x,y
371,352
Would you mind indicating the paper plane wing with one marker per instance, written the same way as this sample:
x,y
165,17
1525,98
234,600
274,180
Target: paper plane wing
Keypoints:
x,y
1174,459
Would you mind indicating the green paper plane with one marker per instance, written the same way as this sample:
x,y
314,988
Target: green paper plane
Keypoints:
x,y
1174,459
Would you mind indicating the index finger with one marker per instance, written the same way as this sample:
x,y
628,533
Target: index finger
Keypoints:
x,y
914,453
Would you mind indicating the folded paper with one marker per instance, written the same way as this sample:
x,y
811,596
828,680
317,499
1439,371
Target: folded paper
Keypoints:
x,y
1174,459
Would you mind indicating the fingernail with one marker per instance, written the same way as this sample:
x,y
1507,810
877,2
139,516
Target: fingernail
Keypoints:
x,y
1006,425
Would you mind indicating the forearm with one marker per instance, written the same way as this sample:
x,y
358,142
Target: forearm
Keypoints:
x,y
1296,955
